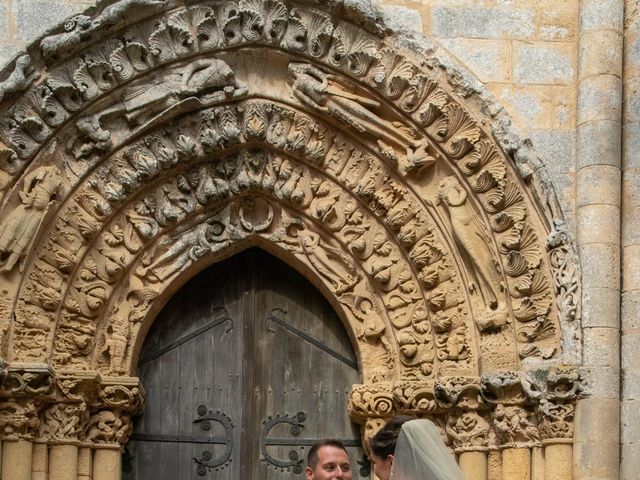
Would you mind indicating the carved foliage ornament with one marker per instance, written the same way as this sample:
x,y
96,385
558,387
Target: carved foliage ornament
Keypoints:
x,y
435,278
497,411
324,200
67,407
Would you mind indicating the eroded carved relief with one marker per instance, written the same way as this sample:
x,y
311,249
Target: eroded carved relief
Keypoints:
x,y
146,103
353,108
23,75
169,158
475,242
18,231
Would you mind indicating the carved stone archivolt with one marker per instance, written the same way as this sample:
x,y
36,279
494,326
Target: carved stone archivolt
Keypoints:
x,y
130,163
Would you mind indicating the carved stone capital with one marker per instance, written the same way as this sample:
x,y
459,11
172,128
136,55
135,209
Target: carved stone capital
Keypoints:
x,y
556,421
470,430
554,393
78,386
63,423
18,418
367,401
414,397
515,426
503,388
121,393
459,393
108,427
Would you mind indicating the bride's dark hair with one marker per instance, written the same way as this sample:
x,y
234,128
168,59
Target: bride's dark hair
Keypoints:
x,y
383,443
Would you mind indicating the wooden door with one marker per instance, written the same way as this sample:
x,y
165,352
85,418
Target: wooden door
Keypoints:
x,y
244,369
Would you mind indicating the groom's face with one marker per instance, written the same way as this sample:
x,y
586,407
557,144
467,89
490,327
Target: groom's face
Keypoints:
x,y
333,464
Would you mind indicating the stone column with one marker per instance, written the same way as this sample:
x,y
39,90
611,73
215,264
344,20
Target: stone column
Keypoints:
x,y
62,427
598,234
16,459
516,464
39,465
538,463
85,463
630,314
474,465
106,463
63,462
494,465
558,461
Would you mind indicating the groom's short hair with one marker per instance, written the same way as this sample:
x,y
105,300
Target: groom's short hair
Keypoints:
x,y
312,456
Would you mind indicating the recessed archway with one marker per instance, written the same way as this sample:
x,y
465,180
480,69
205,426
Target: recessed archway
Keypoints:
x,y
187,133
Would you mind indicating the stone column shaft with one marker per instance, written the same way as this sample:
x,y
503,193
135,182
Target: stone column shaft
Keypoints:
x,y
473,465
63,462
494,465
40,461
516,464
538,463
598,190
630,306
106,464
558,462
16,459
85,460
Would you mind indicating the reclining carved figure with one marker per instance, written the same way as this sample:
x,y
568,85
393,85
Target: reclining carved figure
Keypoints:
x,y
200,83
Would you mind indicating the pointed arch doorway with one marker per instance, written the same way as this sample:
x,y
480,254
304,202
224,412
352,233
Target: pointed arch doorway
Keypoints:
x,y
245,367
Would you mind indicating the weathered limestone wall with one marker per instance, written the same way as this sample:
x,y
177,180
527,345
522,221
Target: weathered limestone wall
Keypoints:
x,y
524,52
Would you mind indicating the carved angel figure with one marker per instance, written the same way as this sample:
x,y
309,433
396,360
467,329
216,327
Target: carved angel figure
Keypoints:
x,y
145,103
18,232
335,97
328,261
472,239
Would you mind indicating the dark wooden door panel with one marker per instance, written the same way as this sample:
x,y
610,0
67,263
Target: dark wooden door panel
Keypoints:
x,y
245,368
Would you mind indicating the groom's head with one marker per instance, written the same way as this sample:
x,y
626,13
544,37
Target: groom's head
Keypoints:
x,y
328,460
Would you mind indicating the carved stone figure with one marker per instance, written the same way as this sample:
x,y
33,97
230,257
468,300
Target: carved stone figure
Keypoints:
x,y
335,97
473,241
17,233
108,427
19,80
190,246
328,261
145,103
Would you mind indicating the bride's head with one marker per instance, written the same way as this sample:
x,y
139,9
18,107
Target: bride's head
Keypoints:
x,y
383,446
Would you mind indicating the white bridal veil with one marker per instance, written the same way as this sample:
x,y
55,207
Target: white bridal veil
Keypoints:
x,y
422,455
